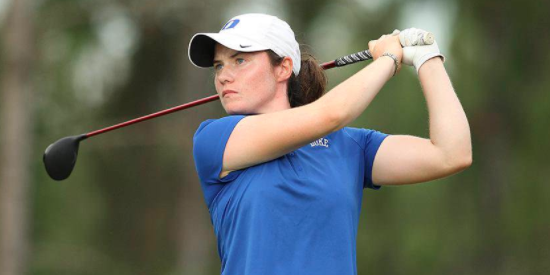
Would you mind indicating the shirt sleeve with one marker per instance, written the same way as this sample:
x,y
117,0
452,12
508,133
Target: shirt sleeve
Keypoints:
x,y
373,140
209,144
369,141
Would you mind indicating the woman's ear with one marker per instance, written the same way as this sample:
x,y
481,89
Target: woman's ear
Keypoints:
x,y
284,70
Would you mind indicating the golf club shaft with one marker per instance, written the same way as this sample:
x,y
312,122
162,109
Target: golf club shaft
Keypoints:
x,y
153,115
342,61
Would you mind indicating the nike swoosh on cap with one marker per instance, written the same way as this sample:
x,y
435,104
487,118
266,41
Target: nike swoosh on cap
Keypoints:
x,y
245,46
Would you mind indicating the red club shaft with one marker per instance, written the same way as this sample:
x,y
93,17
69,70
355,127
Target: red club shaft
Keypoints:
x,y
328,65
157,114
325,66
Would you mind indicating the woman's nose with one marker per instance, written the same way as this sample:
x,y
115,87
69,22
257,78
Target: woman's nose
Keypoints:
x,y
226,75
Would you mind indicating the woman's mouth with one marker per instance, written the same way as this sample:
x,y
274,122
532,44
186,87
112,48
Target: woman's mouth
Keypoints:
x,y
228,92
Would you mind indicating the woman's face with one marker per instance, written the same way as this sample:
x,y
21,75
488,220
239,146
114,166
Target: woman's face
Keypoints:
x,y
245,82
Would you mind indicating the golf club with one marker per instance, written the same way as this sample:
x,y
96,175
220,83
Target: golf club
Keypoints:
x,y
60,157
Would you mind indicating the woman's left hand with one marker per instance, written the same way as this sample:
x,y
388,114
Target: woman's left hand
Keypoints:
x,y
388,43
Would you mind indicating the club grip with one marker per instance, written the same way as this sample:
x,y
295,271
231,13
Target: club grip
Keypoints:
x,y
415,37
353,58
428,38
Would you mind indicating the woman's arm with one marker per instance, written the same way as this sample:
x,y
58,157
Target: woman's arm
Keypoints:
x,y
261,138
407,159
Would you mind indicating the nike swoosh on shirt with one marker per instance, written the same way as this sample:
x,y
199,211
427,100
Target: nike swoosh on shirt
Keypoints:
x,y
245,46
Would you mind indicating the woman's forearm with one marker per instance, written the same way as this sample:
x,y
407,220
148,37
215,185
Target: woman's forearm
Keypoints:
x,y
449,129
345,102
264,137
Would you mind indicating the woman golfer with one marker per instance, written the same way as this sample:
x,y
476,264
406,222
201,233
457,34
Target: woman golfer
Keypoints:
x,y
282,176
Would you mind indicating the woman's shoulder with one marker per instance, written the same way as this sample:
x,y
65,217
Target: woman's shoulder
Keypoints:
x,y
360,136
217,124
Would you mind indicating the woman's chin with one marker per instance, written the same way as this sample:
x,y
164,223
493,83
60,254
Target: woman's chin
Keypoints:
x,y
233,110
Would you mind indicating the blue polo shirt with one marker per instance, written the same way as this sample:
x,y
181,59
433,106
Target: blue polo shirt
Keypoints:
x,y
297,214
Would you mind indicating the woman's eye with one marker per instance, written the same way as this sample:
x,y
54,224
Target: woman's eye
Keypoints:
x,y
240,60
218,67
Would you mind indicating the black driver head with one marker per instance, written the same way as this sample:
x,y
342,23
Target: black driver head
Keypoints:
x,y
60,156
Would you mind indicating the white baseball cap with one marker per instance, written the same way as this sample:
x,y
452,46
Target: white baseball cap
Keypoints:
x,y
247,33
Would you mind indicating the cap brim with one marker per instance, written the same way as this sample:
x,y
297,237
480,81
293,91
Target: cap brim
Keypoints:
x,y
202,45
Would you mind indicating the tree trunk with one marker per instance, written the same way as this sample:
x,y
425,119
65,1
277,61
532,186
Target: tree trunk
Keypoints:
x,y
16,137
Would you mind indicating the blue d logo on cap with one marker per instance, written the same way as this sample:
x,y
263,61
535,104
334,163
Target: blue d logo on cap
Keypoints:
x,y
231,24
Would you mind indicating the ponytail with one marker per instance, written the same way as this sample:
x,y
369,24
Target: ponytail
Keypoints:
x,y
310,83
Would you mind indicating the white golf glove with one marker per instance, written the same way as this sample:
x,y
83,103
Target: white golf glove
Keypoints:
x,y
414,51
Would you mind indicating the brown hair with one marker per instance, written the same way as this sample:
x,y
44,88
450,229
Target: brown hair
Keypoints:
x,y
310,83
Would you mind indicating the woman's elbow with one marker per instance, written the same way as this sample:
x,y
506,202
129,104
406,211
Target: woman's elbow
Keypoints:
x,y
465,162
460,162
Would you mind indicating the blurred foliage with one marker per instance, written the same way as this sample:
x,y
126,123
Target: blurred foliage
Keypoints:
x,y
133,203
